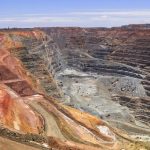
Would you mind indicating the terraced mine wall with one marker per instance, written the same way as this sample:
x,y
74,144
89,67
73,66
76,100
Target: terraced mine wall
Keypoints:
x,y
120,51
41,57
116,59
91,69
115,52
104,46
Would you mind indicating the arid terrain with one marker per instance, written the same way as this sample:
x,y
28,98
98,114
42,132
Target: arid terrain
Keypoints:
x,y
75,88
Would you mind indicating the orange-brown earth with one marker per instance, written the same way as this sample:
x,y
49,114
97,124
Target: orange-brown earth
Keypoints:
x,y
15,114
29,112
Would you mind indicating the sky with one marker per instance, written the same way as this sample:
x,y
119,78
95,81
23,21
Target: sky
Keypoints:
x,y
83,13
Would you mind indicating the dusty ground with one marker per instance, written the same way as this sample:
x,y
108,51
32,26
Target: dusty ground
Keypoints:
x,y
51,127
6,144
37,66
92,93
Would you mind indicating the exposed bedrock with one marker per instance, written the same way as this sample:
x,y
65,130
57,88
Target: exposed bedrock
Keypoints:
x,y
42,60
88,67
101,63
98,70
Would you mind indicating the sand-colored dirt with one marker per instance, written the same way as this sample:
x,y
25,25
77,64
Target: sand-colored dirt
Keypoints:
x,y
26,109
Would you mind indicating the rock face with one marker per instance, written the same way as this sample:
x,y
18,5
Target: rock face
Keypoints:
x,y
17,115
104,72
96,65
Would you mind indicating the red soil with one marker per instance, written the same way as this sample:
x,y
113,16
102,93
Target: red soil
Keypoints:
x,y
22,88
6,74
16,114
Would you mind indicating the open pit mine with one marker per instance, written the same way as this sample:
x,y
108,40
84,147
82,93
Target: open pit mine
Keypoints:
x,y
75,88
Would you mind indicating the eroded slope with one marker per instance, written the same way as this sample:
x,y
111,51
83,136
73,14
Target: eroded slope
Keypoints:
x,y
38,65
